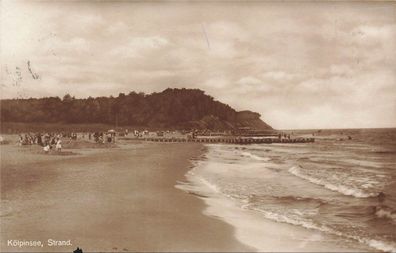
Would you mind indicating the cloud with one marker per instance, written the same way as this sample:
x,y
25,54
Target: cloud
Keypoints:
x,y
138,46
299,65
386,31
117,28
82,23
249,81
278,75
219,82
60,46
341,69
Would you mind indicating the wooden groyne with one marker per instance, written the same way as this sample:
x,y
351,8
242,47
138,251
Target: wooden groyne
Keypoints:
x,y
233,140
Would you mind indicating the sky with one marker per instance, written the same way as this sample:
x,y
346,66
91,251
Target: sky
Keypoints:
x,y
301,65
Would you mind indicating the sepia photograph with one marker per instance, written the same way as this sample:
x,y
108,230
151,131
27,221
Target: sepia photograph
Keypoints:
x,y
197,126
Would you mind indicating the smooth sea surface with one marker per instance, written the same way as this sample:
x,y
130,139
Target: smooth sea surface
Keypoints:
x,y
343,184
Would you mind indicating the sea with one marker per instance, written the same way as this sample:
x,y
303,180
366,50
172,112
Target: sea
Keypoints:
x,y
343,184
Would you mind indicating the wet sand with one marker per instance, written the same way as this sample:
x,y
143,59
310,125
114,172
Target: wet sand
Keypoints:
x,y
118,199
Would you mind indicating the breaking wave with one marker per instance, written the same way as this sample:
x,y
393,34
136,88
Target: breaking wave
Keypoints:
x,y
346,190
306,223
386,212
255,157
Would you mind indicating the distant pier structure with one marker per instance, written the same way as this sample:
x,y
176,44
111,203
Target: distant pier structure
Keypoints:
x,y
231,140
243,135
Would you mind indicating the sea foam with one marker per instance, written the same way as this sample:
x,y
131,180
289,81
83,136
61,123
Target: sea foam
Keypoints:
x,y
255,157
346,190
376,244
385,212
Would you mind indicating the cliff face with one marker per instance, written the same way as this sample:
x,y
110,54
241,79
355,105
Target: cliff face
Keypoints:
x,y
252,120
213,122
171,108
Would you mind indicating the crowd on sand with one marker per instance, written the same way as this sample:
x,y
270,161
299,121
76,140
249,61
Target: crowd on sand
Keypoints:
x,y
47,140
52,141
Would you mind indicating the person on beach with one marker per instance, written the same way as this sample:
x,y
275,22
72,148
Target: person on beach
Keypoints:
x,y
20,140
46,139
53,142
59,145
46,148
39,140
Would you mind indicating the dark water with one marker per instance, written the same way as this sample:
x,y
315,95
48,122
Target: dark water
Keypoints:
x,y
341,186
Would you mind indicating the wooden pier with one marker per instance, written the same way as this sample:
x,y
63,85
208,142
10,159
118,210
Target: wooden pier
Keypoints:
x,y
231,140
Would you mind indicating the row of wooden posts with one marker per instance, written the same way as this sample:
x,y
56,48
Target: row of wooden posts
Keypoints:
x,y
232,140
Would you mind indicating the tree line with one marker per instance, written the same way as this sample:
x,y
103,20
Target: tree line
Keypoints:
x,y
172,108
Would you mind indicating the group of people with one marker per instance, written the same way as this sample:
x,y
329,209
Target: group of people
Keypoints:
x,y
47,140
53,141
102,137
284,136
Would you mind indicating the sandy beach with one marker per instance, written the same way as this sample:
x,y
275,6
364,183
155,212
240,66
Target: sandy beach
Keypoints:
x,y
136,196
116,199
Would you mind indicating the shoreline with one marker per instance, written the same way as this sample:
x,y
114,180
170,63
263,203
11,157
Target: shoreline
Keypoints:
x,y
119,199
253,229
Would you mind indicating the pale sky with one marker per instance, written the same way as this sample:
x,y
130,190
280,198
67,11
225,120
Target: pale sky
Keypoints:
x,y
300,65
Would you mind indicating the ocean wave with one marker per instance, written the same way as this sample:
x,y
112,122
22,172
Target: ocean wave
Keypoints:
x,y
285,219
377,244
211,186
289,199
306,223
304,211
346,190
385,212
255,157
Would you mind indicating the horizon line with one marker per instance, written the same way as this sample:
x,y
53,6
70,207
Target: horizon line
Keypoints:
x,y
346,128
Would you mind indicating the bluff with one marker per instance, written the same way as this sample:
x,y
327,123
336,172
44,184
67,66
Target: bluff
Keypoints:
x,y
252,120
171,108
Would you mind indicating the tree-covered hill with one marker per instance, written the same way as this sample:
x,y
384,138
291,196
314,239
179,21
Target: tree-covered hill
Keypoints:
x,y
171,108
